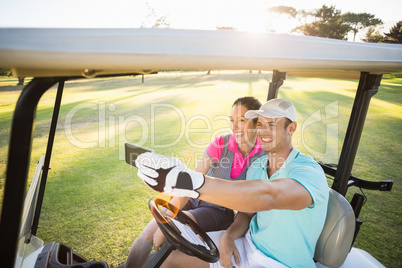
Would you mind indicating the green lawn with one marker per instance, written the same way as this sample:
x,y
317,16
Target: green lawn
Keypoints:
x,y
96,204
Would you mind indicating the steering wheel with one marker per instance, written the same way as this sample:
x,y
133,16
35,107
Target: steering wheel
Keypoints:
x,y
175,239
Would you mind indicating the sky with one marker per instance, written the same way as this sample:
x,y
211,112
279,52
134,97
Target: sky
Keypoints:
x,y
250,15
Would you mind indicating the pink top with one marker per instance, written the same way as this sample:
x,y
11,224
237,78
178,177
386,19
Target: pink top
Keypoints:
x,y
214,150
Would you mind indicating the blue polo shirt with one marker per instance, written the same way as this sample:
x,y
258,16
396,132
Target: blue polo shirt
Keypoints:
x,y
290,236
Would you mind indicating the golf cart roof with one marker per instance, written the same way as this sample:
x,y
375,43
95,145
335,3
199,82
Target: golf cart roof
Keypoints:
x,y
97,52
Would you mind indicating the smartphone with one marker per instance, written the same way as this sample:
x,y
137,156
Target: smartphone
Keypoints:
x,y
133,151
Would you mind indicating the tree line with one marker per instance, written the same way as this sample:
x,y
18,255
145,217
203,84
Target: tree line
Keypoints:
x,y
329,22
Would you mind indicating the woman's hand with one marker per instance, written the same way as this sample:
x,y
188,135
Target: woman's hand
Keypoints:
x,y
159,239
228,249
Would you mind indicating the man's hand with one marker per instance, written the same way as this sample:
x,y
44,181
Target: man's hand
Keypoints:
x,y
227,249
169,174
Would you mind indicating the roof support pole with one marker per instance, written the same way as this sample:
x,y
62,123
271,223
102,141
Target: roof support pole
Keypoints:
x,y
22,129
277,82
48,155
368,87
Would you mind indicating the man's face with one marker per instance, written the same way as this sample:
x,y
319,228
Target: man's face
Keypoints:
x,y
273,135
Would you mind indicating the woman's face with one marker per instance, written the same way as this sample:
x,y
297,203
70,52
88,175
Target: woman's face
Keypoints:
x,y
243,129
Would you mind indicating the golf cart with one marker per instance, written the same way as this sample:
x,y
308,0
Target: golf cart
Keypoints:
x,y
54,56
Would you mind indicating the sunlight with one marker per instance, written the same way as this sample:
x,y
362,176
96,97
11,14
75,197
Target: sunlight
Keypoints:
x,y
277,23
251,17
162,201
240,15
243,15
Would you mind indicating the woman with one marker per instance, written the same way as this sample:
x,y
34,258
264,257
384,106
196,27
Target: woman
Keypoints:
x,y
227,157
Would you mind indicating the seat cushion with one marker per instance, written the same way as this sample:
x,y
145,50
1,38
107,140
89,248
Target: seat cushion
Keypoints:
x,y
336,237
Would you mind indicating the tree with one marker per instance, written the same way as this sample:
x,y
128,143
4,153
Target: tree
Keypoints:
x,y
226,28
327,22
373,36
358,21
153,20
21,81
5,72
290,11
395,34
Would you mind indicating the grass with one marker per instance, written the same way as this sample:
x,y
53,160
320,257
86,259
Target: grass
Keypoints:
x,y
96,204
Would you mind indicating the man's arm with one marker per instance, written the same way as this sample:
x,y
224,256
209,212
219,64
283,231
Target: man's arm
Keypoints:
x,y
170,175
255,195
237,229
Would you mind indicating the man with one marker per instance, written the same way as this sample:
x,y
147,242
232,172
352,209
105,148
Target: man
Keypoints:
x,y
282,205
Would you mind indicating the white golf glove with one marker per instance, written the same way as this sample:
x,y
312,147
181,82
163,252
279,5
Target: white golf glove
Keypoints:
x,y
169,175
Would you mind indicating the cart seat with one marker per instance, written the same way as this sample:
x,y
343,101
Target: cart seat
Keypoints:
x,y
336,238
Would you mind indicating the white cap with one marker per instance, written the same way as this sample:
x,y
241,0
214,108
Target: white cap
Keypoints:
x,y
274,108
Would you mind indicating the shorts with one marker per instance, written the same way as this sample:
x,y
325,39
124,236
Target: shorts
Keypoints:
x,y
249,255
208,216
